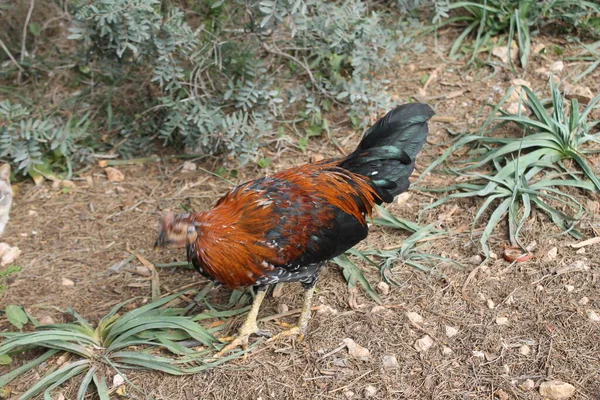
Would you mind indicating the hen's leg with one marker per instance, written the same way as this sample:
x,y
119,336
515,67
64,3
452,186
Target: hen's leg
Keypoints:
x,y
248,328
302,327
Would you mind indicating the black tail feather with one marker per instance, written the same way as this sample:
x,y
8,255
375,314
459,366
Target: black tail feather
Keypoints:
x,y
387,152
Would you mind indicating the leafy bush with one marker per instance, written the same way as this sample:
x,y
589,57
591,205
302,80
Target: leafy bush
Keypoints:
x,y
530,171
34,144
218,66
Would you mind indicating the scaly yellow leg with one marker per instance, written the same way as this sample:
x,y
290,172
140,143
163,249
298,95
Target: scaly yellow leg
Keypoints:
x,y
248,328
302,326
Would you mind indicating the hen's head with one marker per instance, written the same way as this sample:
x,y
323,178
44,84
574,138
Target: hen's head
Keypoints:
x,y
176,230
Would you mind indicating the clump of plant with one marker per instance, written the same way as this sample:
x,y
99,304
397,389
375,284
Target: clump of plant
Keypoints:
x,y
39,143
530,171
153,337
513,19
227,72
410,253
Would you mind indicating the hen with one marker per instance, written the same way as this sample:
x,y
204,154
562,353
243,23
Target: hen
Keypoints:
x,y
284,227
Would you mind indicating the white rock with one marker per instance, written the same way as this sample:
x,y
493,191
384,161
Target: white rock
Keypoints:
x,y
389,361
539,288
450,331
424,343
538,48
490,304
114,175
446,350
349,394
581,251
527,385
593,316
552,253
557,390
46,320
383,288
414,317
403,198
118,380
478,354
525,350
584,300
67,282
327,310
514,109
188,166
283,308
370,391
356,350
569,288
501,320
558,66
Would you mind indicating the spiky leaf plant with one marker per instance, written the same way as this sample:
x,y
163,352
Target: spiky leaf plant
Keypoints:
x,y
549,138
152,337
409,253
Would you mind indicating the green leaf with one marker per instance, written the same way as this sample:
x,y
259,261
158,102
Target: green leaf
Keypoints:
x,y
16,316
352,274
5,359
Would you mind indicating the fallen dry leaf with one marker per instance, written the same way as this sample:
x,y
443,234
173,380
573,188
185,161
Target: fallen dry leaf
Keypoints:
x,y
356,350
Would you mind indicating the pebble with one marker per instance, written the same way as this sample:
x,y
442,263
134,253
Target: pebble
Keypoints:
x,y
501,320
389,361
450,331
525,350
370,391
414,317
557,390
383,288
552,253
424,343
67,282
593,316
527,385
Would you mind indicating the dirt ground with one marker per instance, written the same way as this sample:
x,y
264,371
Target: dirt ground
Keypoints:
x,y
79,235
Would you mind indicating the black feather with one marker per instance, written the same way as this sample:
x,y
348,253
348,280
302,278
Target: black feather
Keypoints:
x,y
386,154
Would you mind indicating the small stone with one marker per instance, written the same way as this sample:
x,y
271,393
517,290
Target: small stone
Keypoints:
x,y
67,282
490,304
370,391
557,390
46,320
114,175
493,255
389,361
581,251
476,259
349,394
539,288
558,66
403,198
446,350
424,343
501,320
478,354
383,288
584,300
379,310
501,394
118,380
283,308
67,184
502,52
505,369
450,331
593,316
414,317
552,253
32,213
527,385
356,350
188,166
569,288
524,350
327,310
514,109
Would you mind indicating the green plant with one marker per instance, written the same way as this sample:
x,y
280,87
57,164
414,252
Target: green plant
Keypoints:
x,y
151,337
529,171
487,19
409,253
5,273
36,144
